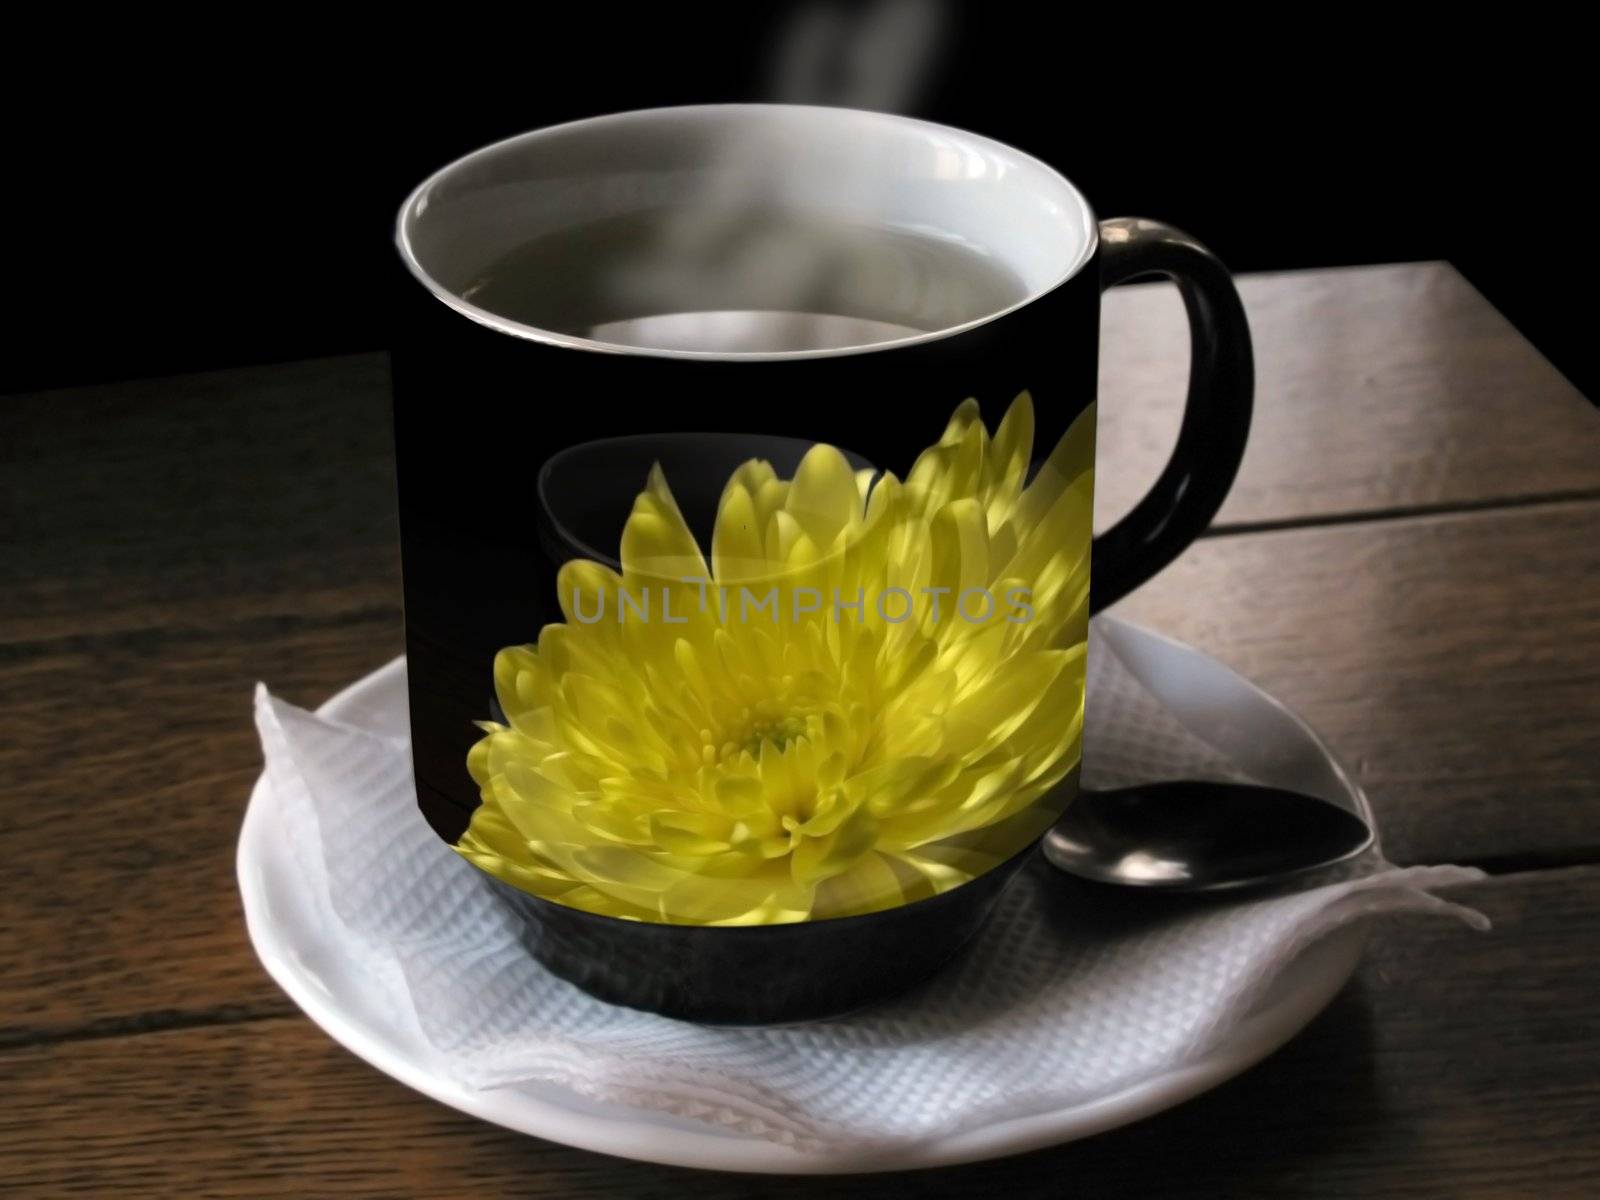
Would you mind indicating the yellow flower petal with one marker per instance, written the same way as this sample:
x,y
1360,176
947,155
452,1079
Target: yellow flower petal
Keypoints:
x,y
785,747
824,497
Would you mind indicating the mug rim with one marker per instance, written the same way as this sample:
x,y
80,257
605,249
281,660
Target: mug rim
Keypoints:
x,y
416,202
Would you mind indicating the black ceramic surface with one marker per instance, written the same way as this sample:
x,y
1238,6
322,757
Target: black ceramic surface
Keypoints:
x,y
471,587
759,974
586,491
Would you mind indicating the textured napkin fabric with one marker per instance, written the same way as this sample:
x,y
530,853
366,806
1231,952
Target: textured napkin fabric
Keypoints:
x,y
1072,993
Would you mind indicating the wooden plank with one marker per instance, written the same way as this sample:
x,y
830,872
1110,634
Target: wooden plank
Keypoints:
x,y
1378,388
183,537
267,491
128,761
1452,661
1456,1064
1381,388
176,540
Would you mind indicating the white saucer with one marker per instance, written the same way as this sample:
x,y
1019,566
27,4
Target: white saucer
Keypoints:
x,y
357,1010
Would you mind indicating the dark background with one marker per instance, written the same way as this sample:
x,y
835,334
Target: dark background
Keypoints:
x,y
192,196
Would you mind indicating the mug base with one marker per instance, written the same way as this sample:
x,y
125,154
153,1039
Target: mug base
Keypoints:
x,y
764,974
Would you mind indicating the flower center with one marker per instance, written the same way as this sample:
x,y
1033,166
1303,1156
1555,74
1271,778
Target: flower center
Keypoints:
x,y
754,727
780,731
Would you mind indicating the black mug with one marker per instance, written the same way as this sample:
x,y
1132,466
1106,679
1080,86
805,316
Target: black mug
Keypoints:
x,y
729,291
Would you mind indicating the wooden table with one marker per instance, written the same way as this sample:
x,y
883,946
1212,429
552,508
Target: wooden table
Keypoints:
x,y
1411,557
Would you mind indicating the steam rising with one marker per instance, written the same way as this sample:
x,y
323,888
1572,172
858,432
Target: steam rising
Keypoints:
x,y
732,247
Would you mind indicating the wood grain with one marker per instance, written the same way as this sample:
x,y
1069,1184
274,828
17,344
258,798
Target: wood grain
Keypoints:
x,y
127,763
173,541
1467,705
1380,389
1456,1064
1453,662
1377,388
165,503
184,537
167,542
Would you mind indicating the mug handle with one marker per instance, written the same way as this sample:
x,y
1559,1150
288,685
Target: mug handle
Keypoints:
x,y
1216,417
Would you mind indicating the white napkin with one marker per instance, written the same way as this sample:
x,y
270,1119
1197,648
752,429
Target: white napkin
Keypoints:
x,y
1072,993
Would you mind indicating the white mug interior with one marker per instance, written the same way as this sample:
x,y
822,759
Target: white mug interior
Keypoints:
x,y
849,166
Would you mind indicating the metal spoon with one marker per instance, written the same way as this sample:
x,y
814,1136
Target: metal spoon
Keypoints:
x,y
1195,836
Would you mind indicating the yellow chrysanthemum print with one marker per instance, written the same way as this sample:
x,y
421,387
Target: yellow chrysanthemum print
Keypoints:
x,y
872,693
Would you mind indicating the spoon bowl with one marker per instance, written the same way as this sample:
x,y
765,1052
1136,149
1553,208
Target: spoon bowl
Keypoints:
x,y
1198,836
